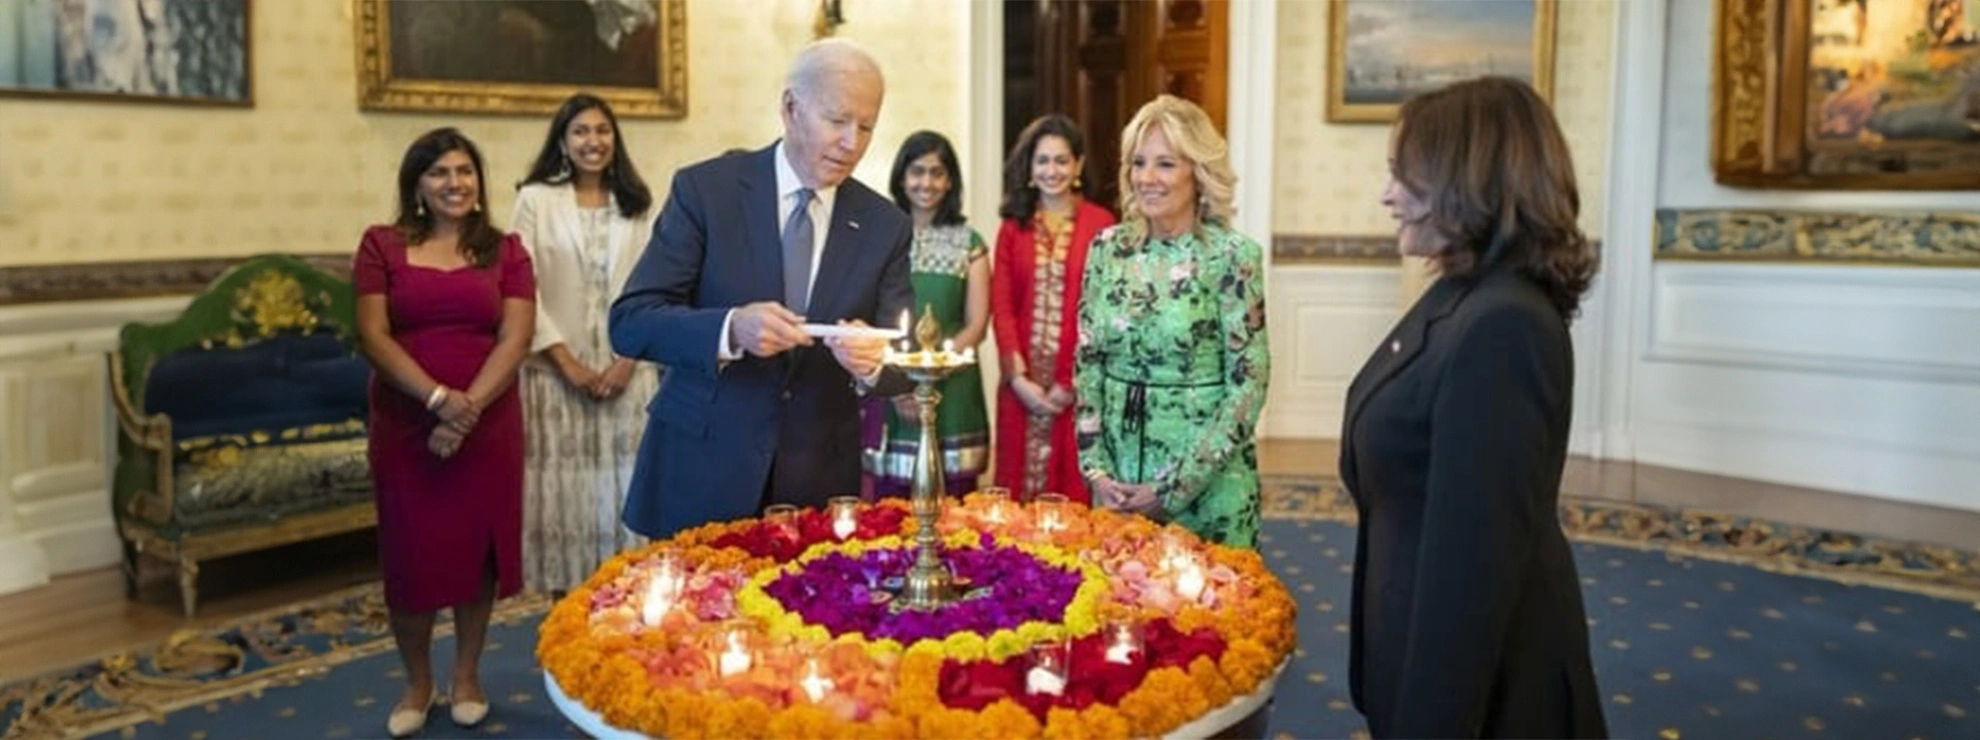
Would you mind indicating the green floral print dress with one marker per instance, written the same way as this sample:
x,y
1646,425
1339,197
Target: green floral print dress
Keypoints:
x,y
1171,374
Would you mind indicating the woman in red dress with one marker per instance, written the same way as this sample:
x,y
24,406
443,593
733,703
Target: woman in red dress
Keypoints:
x,y
446,307
1034,307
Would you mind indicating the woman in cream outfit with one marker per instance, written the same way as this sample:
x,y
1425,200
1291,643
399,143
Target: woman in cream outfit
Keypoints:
x,y
585,215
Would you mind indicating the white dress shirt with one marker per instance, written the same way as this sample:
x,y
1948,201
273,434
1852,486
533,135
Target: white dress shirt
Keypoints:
x,y
788,185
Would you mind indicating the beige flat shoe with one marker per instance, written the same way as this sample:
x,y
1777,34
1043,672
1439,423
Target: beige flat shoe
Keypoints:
x,y
406,722
468,713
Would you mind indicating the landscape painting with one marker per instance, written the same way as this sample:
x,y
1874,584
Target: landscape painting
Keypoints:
x,y
180,51
1385,52
523,56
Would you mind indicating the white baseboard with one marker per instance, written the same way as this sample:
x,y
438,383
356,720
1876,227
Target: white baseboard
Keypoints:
x,y
80,547
23,565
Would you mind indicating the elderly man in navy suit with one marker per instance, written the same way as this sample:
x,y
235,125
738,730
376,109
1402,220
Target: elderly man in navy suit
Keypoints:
x,y
749,248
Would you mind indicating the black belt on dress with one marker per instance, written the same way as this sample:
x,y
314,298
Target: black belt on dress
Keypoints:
x,y
1134,413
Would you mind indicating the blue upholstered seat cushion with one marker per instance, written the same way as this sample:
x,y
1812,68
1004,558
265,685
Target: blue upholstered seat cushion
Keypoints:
x,y
276,384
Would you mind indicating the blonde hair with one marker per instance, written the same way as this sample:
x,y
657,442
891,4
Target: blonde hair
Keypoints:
x,y
1190,131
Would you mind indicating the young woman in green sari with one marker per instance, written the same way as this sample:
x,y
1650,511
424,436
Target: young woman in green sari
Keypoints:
x,y
951,276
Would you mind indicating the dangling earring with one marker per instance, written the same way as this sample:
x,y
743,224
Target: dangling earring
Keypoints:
x,y
1078,182
477,206
419,206
563,164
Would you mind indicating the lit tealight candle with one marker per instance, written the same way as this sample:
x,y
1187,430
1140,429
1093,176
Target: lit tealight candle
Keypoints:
x,y
1189,582
815,684
1051,508
661,593
1123,644
1043,680
735,658
845,516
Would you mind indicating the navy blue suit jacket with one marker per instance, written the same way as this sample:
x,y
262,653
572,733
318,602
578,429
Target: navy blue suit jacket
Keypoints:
x,y
716,432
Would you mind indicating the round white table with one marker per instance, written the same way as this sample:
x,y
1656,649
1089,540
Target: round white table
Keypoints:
x,y
1206,726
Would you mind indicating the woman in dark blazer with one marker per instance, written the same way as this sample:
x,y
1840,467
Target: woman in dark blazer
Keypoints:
x,y
1467,618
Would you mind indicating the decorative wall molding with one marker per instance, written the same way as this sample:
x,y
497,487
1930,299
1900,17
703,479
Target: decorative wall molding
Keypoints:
x,y
1324,320
1942,239
92,281
1874,324
1293,249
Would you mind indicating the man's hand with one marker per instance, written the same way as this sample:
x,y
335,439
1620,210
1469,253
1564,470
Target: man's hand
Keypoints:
x,y
860,356
613,381
766,329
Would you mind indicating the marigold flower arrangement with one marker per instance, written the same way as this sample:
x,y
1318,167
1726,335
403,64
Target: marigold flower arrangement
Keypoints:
x,y
1086,623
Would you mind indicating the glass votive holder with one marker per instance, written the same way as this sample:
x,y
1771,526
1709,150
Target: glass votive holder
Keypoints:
x,y
844,511
1051,511
665,585
1050,667
733,651
781,517
996,504
813,681
1123,640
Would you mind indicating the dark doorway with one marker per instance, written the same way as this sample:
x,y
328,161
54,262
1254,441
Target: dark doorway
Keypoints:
x,y
1098,61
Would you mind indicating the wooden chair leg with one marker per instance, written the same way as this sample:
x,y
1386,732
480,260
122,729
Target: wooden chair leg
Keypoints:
x,y
189,585
132,569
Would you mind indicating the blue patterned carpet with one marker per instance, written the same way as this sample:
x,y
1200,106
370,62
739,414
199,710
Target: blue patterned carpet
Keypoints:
x,y
1685,647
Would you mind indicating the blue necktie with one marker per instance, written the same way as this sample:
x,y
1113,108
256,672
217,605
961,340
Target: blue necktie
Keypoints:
x,y
797,254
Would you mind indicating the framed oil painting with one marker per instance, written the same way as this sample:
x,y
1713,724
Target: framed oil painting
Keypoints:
x,y
1383,52
522,56
1847,94
170,51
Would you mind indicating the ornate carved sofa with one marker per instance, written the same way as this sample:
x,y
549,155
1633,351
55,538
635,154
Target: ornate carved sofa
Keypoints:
x,y
242,422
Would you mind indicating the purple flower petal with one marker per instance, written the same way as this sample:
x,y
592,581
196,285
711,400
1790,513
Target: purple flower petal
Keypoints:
x,y
835,592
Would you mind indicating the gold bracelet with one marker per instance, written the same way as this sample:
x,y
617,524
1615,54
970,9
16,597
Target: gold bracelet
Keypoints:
x,y
436,398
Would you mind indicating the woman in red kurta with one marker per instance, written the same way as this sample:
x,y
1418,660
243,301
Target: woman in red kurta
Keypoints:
x,y
1034,307
446,307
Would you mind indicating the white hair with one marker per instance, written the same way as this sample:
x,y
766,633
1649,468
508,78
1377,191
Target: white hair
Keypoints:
x,y
826,58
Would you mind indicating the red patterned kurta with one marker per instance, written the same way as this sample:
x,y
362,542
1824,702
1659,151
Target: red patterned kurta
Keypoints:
x,y
1022,465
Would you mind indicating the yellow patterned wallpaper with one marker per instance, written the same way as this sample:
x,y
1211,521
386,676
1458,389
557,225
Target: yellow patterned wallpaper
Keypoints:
x,y
305,171
1329,176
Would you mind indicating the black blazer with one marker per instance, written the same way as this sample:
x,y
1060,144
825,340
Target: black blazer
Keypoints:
x,y
1467,618
717,433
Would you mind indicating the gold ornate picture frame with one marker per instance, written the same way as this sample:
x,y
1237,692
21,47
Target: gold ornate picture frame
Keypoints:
x,y
178,52
1846,94
522,56
1382,52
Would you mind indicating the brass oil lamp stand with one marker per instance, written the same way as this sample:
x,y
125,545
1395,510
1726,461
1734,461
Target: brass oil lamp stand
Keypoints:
x,y
929,583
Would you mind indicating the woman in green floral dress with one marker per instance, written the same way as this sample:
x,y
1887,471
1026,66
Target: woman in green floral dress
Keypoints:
x,y
1173,359
951,274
